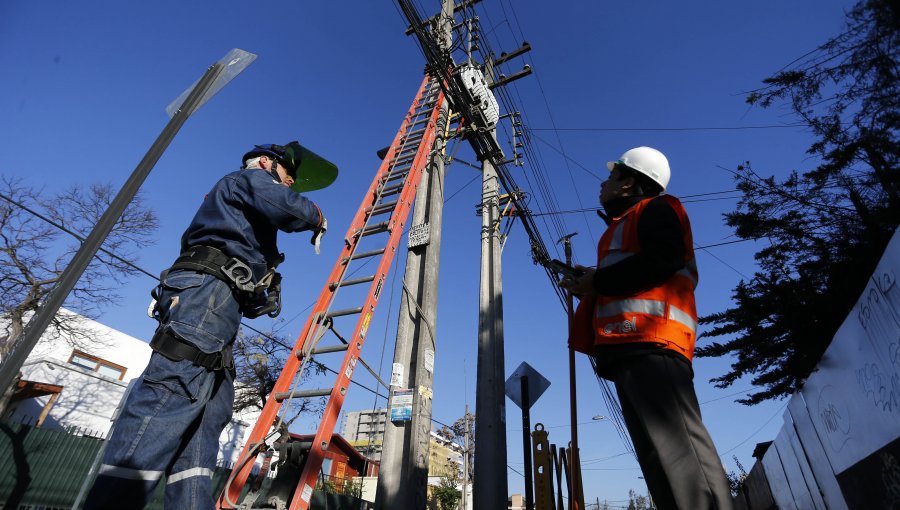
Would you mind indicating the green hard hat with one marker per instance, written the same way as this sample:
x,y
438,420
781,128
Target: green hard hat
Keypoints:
x,y
309,170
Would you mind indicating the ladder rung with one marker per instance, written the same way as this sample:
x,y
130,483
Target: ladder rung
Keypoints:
x,y
375,229
397,175
362,255
404,158
414,139
284,395
381,208
417,133
341,313
407,151
392,190
348,283
328,349
396,169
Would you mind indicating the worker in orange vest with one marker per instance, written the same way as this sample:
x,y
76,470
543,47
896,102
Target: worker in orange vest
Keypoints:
x,y
638,319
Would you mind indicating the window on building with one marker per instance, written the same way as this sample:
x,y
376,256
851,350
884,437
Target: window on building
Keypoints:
x,y
95,364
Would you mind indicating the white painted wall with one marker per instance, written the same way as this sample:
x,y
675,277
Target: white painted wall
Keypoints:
x,y
89,400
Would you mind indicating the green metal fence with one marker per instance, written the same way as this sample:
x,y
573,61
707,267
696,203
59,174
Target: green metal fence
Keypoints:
x,y
45,469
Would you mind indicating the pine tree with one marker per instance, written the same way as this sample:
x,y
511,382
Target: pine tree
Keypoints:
x,y
826,228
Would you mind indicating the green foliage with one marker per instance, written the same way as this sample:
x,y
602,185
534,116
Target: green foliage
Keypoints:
x,y
825,229
447,494
345,486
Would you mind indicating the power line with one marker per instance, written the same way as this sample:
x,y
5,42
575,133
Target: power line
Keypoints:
x,y
735,447
151,275
699,128
73,234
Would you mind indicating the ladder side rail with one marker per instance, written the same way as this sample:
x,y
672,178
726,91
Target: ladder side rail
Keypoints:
x,y
314,460
241,470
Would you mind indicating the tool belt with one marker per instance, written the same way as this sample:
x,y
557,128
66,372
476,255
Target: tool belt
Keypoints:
x,y
255,299
176,349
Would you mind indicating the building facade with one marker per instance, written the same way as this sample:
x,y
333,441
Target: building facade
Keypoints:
x,y
78,382
365,431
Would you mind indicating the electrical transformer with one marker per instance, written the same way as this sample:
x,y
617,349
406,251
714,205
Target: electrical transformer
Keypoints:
x,y
474,81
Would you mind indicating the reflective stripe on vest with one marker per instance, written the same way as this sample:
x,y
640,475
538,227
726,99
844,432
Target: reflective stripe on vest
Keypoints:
x,y
647,307
664,315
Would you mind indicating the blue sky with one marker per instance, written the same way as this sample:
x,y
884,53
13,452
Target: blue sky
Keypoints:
x,y
85,85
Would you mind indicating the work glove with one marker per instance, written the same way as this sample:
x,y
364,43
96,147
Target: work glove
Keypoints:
x,y
318,233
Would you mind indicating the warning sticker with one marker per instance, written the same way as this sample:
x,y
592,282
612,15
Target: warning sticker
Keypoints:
x,y
307,493
351,365
365,325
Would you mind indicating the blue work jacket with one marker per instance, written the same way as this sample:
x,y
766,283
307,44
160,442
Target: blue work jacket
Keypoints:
x,y
242,214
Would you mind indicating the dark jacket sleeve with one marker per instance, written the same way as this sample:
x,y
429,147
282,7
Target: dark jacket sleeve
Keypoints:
x,y
287,210
661,255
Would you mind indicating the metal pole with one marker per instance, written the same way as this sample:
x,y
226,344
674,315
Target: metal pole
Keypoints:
x,y
490,485
526,444
9,370
403,474
465,480
576,491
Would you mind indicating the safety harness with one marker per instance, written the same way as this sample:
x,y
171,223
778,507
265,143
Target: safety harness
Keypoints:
x,y
176,349
255,299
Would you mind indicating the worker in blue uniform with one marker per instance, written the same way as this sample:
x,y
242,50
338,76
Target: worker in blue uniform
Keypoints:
x,y
172,419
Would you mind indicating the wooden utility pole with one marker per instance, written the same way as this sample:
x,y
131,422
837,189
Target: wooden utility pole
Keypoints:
x,y
403,475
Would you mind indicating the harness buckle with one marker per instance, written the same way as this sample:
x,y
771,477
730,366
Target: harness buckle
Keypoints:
x,y
240,274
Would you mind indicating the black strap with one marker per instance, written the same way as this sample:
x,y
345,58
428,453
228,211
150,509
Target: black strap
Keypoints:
x,y
255,299
207,259
176,350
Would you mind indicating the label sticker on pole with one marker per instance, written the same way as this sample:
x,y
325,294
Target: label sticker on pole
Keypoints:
x,y
401,405
429,361
397,375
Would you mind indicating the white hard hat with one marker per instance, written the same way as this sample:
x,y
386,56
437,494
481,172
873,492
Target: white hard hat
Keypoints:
x,y
648,161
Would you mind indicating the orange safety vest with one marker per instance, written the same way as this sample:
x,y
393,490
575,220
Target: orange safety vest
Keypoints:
x,y
665,315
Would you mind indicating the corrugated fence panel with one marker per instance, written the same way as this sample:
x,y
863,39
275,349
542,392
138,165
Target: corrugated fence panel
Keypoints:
x,y
43,467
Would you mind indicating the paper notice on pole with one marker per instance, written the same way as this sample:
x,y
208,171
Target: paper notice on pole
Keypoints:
x,y
397,375
429,361
401,405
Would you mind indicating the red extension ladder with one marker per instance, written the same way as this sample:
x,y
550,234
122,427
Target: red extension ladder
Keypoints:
x,y
385,209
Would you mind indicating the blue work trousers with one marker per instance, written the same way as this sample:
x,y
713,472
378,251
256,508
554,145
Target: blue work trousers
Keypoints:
x,y
171,422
